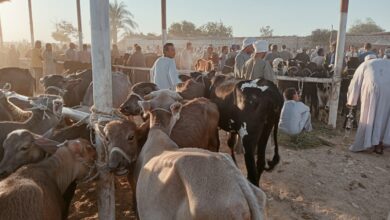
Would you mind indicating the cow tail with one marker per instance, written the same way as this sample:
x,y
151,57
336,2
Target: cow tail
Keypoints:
x,y
275,160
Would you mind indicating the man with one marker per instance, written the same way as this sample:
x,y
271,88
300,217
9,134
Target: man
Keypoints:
x,y
233,50
285,54
243,56
137,59
331,56
13,56
367,51
71,53
85,55
256,67
186,57
163,72
371,83
223,57
273,54
36,63
302,56
295,116
211,55
319,59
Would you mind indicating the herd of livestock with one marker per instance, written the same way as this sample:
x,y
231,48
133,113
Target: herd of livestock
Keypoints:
x,y
171,159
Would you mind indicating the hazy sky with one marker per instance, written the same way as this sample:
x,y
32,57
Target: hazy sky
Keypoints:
x,y
286,17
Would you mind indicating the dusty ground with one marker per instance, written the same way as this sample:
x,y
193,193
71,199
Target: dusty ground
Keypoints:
x,y
318,182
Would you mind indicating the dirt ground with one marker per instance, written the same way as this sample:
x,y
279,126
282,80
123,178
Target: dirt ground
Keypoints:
x,y
321,182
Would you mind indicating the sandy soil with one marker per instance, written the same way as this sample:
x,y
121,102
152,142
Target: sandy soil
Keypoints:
x,y
323,182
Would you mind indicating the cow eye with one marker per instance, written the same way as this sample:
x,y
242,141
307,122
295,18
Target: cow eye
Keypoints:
x,y
130,138
107,139
24,148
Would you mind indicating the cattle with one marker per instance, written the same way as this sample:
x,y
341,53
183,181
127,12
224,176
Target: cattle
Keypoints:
x,y
77,89
72,88
249,108
121,87
20,80
138,91
75,66
188,183
35,191
10,112
198,126
46,115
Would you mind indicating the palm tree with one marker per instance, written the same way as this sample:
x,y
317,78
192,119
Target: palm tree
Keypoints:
x,y
120,20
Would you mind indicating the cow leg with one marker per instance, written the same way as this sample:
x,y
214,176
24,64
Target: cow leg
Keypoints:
x,y
261,147
231,143
249,146
68,196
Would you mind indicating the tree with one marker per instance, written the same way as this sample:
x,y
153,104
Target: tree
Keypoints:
x,y
365,27
322,36
216,29
183,29
121,20
65,32
266,31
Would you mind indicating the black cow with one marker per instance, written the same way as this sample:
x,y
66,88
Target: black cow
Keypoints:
x,y
76,66
249,108
21,80
72,87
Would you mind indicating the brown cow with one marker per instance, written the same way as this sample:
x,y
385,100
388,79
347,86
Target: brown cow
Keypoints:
x,y
35,191
10,110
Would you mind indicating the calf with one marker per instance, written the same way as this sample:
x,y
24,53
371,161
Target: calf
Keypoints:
x,y
188,183
10,112
250,108
35,191
21,80
45,116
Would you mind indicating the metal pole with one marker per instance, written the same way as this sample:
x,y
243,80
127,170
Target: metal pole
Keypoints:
x,y
164,21
334,101
1,35
80,28
102,96
31,23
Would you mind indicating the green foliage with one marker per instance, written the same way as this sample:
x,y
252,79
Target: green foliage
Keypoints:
x,y
322,36
65,32
266,31
365,27
121,20
188,29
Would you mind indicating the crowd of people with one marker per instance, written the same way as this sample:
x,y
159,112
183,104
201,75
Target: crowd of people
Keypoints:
x,y
253,60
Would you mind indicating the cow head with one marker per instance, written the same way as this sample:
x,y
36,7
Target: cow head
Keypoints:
x,y
124,141
58,84
163,109
47,105
23,147
138,91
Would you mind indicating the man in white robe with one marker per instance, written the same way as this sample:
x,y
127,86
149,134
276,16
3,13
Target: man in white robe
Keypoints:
x,y
371,83
295,116
164,73
243,56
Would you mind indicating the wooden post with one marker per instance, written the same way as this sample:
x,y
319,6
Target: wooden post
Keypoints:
x,y
31,23
79,25
102,96
334,99
164,21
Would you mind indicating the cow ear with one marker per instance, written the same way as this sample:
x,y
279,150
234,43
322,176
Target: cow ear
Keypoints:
x,y
211,74
142,130
184,78
42,79
176,109
145,105
47,145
